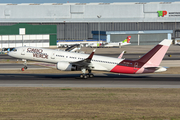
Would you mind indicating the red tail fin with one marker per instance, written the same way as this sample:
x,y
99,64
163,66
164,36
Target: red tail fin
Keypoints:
x,y
128,39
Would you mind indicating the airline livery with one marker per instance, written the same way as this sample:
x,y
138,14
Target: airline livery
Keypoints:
x,y
112,44
117,44
69,61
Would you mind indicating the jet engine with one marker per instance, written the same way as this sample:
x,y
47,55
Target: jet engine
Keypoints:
x,y
66,66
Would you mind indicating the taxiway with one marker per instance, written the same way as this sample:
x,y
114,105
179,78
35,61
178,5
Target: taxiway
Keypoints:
x,y
100,80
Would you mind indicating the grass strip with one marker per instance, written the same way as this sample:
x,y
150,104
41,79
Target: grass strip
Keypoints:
x,y
89,103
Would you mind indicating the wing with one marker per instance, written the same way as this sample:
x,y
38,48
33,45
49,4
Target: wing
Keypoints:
x,y
86,62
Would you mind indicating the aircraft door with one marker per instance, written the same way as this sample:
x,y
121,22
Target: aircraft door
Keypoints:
x,y
23,51
136,66
53,55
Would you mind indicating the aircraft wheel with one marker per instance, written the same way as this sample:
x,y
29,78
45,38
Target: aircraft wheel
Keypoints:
x,y
83,76
88,75
91,75
25,67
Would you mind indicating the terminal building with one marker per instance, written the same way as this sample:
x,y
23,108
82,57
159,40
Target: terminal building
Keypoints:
x,y
45,24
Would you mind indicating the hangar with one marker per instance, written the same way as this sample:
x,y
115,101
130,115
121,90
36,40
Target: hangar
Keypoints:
x,y
27,35
76,21
149,37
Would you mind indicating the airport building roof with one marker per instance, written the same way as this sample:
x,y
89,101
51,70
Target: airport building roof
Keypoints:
x,y
91,12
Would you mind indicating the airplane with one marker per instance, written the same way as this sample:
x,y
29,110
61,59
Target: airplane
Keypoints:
x,y
73,48
111,44
68,61
119,44
95,44
83,43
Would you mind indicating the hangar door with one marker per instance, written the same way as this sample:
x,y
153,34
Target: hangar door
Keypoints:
x,y
151,39
144,39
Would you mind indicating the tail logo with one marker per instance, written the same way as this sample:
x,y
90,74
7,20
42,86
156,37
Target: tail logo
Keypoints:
x,y
127,40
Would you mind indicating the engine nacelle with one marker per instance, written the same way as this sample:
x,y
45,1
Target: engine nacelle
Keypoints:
x,y
66,66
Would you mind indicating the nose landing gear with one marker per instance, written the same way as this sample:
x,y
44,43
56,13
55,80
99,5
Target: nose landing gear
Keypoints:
x,y
25,65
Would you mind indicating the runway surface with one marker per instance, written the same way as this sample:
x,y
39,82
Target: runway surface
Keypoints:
x,y
17,66
100,81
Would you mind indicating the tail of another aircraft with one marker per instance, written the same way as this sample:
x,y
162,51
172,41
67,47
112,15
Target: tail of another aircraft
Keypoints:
x,y
127,40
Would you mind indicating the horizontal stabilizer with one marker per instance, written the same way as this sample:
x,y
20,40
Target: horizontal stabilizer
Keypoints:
x,y
151,68
156,69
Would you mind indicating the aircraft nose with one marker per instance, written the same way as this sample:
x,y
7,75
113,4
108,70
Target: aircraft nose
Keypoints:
x,y
9,53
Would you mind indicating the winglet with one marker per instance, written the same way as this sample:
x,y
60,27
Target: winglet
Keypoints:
x,y
120,56
91,55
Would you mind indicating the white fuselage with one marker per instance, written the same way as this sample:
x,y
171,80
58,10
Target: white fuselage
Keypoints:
x,y
116,44
53,56
83,43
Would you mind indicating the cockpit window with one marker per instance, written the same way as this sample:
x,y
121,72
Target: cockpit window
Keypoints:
x,y
14,50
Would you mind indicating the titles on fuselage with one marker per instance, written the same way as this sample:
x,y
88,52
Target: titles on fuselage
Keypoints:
x,y
38,53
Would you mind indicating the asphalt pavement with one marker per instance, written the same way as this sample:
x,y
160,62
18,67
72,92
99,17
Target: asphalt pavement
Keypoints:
x,y
100,81
18,66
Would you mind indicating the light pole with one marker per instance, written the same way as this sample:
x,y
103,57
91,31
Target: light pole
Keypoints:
x,y
99,16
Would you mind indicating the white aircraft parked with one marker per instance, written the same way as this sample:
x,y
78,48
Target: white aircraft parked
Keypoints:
x,y
73,48
119,44
111,44
83,43
68,61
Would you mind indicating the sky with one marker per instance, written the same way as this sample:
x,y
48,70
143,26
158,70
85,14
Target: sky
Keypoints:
x,y
79,1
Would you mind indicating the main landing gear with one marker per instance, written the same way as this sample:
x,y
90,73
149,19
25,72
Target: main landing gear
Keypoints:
x,y
84,75
25,65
